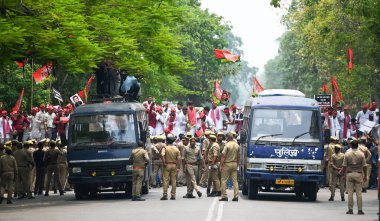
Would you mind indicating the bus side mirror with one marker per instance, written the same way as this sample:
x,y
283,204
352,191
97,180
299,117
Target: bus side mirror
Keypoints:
x,y
243,136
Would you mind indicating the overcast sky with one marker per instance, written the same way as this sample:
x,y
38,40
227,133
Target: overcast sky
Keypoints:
x,y
256,22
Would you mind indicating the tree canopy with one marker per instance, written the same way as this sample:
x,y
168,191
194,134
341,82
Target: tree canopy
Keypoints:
x,y
167,44
314,48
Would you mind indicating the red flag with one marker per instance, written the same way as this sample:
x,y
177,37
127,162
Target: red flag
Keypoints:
x,y
336,92
20,64
18,103
43,72
217,90
218,54
324,88
224,56
350,56
84,93
257,88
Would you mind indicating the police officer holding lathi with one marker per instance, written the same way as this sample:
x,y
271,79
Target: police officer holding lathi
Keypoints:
x,y
355,166
140,159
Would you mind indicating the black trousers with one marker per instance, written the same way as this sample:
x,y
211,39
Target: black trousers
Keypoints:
x,y
40,176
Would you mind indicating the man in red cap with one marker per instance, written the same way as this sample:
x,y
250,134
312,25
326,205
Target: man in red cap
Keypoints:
x,y
216,115
5,127
41,117
35,125
160,121
50,115
20,124
362,116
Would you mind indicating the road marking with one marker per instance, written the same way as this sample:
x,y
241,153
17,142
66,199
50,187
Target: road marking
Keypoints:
x,y
211,209
220,211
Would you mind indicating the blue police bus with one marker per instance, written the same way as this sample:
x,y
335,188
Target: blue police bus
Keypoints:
x,y
100,142
281,144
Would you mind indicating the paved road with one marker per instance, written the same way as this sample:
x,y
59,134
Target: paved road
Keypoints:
x,y
109,207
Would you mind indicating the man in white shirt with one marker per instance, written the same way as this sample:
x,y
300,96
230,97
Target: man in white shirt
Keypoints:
x,y
363,115
160,120
5,127
335,127
50,115
216,115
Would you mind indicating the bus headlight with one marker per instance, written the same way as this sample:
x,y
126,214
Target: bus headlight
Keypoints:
x,y
129,167
256,166
77,170
313,167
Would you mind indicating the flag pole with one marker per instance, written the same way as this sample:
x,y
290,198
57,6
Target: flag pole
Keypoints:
x,y
32,92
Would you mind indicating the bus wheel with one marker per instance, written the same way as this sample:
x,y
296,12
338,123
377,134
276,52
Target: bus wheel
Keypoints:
x,y
80,192
253,189
312,192
244,190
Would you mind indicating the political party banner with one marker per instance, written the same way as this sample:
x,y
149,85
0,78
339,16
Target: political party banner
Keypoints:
x,y
57,95
324,100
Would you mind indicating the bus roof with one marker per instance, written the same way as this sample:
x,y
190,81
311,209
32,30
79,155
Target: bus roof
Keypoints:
x,y
282,101
108,107
281,92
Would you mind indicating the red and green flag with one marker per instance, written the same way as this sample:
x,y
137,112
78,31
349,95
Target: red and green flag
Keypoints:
x,y
350,58
224,56
42,73
257,88
86,90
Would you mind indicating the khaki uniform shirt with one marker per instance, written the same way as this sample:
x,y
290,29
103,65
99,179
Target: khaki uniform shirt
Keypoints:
x,y
354,161
139,157
192,154
23,158
366,152
231,152
8,164
337,159
157,149
62,158
51,156
329,151
213,152
170,153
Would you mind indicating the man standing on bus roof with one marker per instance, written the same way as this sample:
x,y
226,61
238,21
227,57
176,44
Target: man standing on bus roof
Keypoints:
x,y
140,159
336,162
170,156
355,165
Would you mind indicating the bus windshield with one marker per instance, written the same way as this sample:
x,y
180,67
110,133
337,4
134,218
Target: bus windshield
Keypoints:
x,y
103,129
285,124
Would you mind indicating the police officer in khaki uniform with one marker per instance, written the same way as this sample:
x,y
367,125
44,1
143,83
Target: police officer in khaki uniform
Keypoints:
x,y
25,163
229,166
51,162
8,173
328,153
336,162
205,145
213,166
355,166
368,155
157,162
181,176
170,156
62,164
140,159
191,157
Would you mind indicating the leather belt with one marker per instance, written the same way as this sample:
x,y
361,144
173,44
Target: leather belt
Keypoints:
x,y
192,163
170,163
230,162
138,168
353,172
